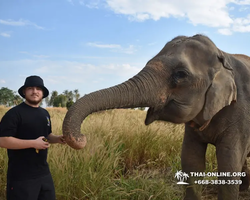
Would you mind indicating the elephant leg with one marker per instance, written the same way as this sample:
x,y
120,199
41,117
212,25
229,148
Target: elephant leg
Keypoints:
x,y
229,159
193,160
245,179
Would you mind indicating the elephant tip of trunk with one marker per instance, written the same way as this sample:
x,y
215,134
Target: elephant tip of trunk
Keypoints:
x,y
76,143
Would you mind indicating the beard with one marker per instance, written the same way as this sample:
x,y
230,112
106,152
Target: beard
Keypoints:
x,y
34,102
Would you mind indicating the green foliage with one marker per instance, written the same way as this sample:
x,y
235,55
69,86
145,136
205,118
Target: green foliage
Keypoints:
x,y
68,94
69,104
76,95
60,101
8,97
50,100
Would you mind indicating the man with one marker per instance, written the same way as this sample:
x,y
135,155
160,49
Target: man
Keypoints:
x,y
25,131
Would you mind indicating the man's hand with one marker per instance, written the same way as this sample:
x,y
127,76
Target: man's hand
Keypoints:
x,y
41,143
56,139
61,139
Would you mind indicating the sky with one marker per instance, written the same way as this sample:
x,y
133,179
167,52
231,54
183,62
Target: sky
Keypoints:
x,y
94,44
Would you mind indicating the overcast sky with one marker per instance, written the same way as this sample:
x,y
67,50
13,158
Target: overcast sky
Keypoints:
x,y
94,44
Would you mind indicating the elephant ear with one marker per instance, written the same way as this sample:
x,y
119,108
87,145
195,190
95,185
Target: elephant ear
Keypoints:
x,y
222,91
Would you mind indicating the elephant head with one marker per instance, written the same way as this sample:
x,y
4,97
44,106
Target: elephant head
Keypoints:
x,y
189,80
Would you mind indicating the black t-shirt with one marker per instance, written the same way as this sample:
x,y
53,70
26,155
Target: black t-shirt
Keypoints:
x,y
26,122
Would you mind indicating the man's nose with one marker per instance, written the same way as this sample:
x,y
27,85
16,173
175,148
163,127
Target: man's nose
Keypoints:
x,y
35,89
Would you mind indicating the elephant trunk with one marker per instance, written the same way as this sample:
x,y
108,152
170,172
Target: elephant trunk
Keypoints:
x,y
136,92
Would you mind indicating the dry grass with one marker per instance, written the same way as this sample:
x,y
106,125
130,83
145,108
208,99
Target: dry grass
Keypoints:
x,y
123,159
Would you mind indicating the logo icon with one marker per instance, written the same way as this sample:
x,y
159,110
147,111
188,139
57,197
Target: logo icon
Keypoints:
x,y
48,121
181,177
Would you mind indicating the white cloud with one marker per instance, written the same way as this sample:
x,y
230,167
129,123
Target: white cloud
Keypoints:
x,y
114,47
20,22
197,12
34,55
241,24
2,81
129,50
108,46
211,13
124,70
71,2
5,34
151,44
91,3
64,74
242,2
225,31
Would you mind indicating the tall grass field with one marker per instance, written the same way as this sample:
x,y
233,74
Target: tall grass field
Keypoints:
x,y
123,159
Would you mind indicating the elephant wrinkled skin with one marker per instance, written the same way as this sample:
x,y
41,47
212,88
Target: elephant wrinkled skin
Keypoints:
x,y
189,81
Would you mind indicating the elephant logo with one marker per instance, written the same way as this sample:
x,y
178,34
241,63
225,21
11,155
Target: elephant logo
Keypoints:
x,y
181,177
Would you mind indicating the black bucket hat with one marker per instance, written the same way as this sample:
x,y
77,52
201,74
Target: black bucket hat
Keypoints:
x,y
34,81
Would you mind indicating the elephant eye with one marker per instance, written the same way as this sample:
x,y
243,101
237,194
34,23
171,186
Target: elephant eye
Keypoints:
x,y
180,75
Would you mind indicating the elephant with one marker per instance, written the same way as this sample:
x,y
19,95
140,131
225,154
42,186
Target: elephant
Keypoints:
x,y
189,81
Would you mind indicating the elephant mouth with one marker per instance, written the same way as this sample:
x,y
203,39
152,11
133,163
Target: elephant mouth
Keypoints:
x,y
151,116
166,113
154,114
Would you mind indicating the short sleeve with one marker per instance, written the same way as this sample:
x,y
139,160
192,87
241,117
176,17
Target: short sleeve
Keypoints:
x,y
9,125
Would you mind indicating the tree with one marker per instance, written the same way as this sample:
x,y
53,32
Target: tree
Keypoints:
x,y
68,94
66,99
60,101
69,104
76,94
6,96
47,100
17,100
54,94
10,98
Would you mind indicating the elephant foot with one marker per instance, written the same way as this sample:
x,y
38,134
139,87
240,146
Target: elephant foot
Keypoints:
x,y
193,192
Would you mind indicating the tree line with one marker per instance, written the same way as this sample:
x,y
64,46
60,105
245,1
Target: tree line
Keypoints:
x,y
66,99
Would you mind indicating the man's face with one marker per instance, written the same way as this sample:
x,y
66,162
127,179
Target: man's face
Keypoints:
x,y
33,95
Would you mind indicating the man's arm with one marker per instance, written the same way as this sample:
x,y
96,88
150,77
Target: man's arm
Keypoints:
x,y
15,143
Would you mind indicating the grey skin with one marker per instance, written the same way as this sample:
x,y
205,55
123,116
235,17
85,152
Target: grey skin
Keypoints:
x,y
189,81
